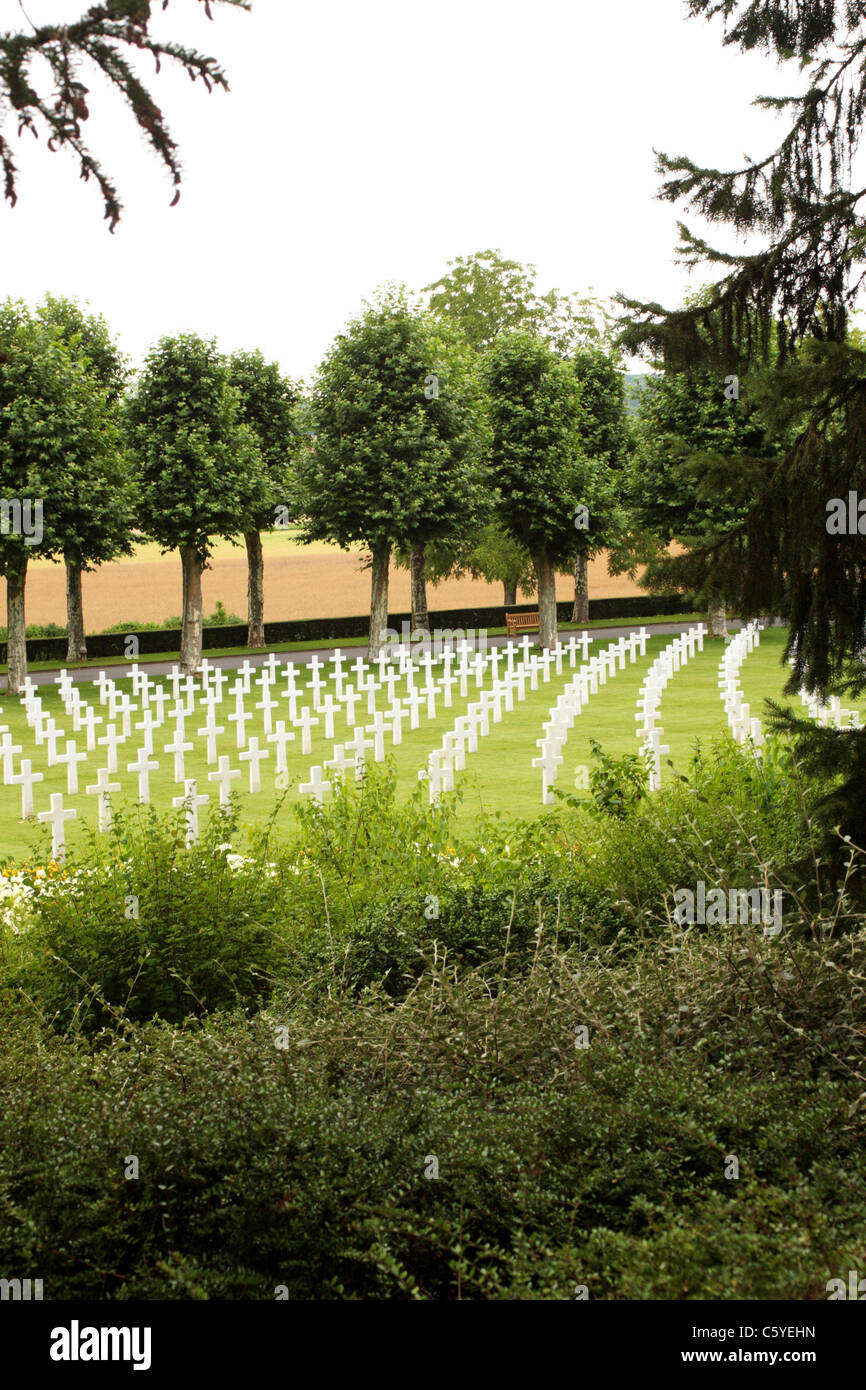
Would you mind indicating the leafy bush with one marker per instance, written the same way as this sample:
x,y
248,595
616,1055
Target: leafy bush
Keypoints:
x,y
147,928
455,1145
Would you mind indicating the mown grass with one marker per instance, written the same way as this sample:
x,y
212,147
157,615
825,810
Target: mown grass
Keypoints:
x,y
498,777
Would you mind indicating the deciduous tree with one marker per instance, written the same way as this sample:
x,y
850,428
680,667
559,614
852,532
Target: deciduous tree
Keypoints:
x,y
399,439
53,418
201,470
102,489
536,463
267,404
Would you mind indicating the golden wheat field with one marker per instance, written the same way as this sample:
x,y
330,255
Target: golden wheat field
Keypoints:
x,y
314,581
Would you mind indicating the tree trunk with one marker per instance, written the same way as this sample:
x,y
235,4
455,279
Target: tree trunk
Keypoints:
x,y
255,589
716,617
379,600
580,613
191,632
510,593
546,580
16,631
419,588
76,643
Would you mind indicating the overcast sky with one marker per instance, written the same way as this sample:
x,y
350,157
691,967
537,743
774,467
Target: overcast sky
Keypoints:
x,y
367,143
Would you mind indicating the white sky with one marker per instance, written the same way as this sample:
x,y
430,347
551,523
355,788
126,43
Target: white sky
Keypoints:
x,y
362,143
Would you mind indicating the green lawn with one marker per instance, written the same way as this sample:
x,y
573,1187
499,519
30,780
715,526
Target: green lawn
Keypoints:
x,y
498,776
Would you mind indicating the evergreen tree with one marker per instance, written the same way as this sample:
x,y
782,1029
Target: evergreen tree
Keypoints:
x,y
777,320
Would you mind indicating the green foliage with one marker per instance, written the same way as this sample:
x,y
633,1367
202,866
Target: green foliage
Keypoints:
x,y
535,456
486,296
399,434
267,405
489,1067
59,441
615,784
202,935
100,483
306,1162
200,467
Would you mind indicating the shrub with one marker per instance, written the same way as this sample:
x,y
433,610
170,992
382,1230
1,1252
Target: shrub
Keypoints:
x,y
146,928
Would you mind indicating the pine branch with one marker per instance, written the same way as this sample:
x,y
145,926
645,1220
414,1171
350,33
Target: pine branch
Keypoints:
x,y
103,35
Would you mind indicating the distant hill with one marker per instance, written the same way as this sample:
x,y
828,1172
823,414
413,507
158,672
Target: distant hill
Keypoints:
x,y
634,384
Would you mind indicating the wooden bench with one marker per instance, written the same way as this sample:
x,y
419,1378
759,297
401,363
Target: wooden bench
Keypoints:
x,y
520,622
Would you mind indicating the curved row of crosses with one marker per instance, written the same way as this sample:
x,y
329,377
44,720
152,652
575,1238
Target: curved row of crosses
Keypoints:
x,y
740,721
570,703
668,661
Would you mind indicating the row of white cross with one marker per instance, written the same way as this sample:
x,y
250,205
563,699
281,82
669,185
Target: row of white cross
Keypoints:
x,y
831,715
509,667
442,763
561,716
740,721
666,664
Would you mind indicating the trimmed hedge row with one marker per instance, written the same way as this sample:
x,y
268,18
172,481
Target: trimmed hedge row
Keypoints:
x,y
327,630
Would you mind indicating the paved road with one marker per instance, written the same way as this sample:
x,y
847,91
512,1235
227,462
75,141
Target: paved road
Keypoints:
x,y
229,663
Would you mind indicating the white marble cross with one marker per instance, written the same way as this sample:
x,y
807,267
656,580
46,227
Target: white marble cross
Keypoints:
x,y
110,741
254,756
281,737
378,729
52,734
210,730
415,700
350,699
225,775
358,745
316,785
329,707
125,708
396,714
467,728
7,750
179,748
25,779
548,760
147,723
70,759
191,802
239,719
103,789
340,764
56,817
266,705
143,766
306,721
90,720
